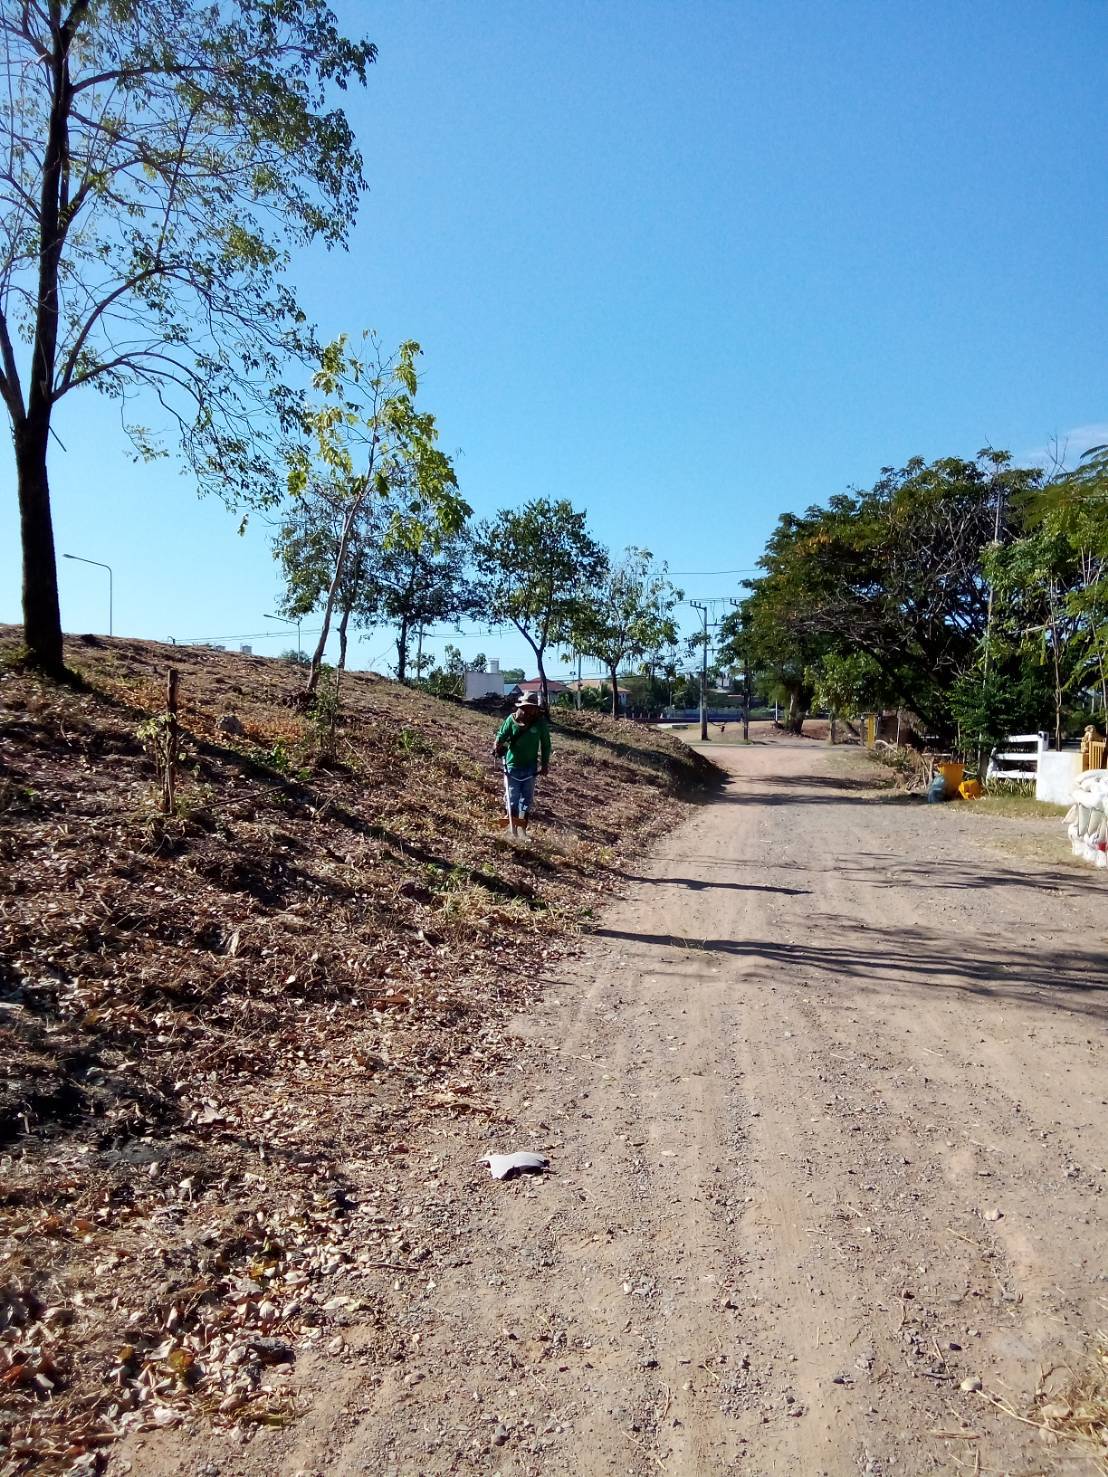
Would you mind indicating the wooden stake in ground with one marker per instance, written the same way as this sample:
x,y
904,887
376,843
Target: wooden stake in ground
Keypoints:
x,y
169,773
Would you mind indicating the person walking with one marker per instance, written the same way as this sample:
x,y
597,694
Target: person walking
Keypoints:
x,y
523,743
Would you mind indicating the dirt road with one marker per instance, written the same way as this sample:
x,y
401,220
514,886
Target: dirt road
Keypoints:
x,y
825,1104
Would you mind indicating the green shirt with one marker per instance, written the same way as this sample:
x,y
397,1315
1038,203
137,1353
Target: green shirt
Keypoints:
x,y
522,744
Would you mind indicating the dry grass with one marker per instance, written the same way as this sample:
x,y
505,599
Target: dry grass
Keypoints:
x,y
1073,1414
207,1018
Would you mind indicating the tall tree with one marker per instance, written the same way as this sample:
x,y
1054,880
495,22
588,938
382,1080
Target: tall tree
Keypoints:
x,y
535,566
307,543
419,581
157,164
366,442
895,572
629,614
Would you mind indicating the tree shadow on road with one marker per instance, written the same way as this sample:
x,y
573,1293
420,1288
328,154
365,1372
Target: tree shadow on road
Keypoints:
x,y
887,872
872,869
702,884
884,959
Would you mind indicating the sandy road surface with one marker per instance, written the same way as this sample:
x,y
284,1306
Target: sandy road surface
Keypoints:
x,y
805,1061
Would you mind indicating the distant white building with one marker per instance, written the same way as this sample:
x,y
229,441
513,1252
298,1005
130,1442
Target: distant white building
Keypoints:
x,y
484,684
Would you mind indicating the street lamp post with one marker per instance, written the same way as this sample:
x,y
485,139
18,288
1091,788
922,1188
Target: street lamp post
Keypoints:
x,y
82,560
703,673
285,620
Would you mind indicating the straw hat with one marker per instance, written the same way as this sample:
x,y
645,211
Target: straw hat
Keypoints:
x,y
529,700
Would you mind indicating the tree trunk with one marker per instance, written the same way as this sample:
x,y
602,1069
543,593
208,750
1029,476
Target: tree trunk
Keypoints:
x,y
615,692
402,650
795,713
1057,700
342,638
42,621
332,591
544,695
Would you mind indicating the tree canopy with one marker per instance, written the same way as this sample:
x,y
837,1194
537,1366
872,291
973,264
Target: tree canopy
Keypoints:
x,y
160,162
627,615
894,573
535,567
367,480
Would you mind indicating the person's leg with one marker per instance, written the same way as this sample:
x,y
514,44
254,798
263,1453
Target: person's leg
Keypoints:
x,y
526,796
513,783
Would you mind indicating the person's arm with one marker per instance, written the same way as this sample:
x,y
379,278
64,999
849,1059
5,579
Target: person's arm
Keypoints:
x,y
503,738
544,741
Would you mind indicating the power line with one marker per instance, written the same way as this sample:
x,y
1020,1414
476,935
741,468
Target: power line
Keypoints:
x,y
697,573
243,636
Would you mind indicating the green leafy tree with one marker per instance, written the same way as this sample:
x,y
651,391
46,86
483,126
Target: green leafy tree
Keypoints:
x,y
536,566
418,580
365,441
629,613
307,544
686,693
1074,507
781,655
846,685
895,573
1044,586
160,162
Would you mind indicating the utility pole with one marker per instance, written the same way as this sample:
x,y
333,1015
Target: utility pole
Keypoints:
x,y
703,674
577,705
80,559
286,622
746,699
419,653
989,612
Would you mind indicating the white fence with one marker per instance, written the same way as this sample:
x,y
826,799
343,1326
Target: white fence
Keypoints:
x,y
1022,749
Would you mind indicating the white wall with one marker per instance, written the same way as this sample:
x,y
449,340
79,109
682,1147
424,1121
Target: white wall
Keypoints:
x,y
483,684
1059,770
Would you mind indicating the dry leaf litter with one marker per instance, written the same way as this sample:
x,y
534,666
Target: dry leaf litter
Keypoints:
x,y
226,1034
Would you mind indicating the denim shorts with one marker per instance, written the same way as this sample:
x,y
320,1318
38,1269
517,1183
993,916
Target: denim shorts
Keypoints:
x,y
521,788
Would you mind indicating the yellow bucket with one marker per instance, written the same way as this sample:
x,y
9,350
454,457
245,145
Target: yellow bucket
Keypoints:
x,y
970,789
952,777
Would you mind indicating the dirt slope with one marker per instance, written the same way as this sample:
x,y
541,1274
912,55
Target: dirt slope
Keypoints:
x,y
209,1020
825,1104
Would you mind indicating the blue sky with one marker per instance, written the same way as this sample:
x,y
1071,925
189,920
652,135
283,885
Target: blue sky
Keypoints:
x,y
689,265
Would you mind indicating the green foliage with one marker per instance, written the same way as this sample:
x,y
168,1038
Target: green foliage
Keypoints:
x,y
448,680
325,712
421,583
536,567
1010,698
280,758
686,693
199,146
1050,588
373,500
849,684
412,743
894,573
628,614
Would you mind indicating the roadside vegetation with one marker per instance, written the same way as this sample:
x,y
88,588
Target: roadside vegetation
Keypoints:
x,y
969,596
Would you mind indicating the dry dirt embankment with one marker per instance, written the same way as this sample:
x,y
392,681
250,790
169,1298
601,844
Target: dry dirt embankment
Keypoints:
x,y
223,1031
824,1099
